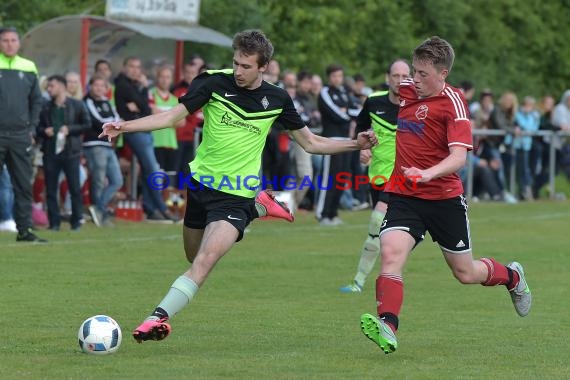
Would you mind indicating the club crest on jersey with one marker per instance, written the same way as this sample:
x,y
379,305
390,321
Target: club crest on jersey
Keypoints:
x,y
402,103
265,102
421,112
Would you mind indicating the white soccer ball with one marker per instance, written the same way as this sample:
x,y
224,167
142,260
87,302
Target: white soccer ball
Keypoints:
x,y
99,335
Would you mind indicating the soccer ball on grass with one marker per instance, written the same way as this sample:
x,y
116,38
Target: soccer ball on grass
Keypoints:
x,y
99,335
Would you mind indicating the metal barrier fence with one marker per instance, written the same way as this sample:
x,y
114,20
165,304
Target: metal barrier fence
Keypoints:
x,y
555,137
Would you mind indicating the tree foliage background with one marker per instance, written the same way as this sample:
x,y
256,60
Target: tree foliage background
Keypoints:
x,y
501,44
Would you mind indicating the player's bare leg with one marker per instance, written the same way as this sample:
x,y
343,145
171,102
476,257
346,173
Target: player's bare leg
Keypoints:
x,y
192,239
216,240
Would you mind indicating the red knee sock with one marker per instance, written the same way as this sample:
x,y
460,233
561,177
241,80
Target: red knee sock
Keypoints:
x,y
498,274
389,298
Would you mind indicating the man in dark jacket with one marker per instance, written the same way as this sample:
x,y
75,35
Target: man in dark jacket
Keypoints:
x,y
131,100
338,112
62,122
20,104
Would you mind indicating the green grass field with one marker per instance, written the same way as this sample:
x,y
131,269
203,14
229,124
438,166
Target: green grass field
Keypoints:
x,y
272,310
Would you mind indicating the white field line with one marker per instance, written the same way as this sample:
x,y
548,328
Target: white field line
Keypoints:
x,y
282,228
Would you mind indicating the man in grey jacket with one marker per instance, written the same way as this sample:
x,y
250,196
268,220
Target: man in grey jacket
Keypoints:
x,y
20,104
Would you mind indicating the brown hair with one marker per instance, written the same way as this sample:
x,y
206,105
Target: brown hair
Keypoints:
x,y
252,42
509,103
437,51
333,68
96,77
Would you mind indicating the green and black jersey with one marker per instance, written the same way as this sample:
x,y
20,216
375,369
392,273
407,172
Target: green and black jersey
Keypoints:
x,y
236,123
381,114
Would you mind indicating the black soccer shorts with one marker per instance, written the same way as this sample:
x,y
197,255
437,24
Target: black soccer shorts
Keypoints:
x,y
445,220
205,205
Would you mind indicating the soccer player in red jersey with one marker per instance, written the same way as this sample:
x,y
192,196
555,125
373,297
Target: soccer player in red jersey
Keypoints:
x,y
432,140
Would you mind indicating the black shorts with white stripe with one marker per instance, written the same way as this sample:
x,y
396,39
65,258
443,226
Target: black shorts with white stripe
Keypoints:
x,y
446,220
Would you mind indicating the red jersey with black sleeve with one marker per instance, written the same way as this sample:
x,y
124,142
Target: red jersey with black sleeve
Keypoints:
x,y
427,128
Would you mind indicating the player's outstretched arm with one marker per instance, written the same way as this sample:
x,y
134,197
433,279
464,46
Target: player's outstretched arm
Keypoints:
x,y
312,143
149,123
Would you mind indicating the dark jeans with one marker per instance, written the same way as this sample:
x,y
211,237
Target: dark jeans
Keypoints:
x,y
329,199
185,153
167,159
53,165
543,177
485,181
275,162
103,164
524,176
6,195
142,146
16,153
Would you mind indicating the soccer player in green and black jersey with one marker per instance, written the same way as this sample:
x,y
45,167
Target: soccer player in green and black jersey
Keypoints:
x,y
380,111
239,109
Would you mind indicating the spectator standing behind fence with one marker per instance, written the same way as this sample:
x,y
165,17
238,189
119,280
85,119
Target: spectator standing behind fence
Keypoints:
x,y
561,120
541,178
102,161
20,105
483,112
103,70
160,99
62,122
317,128
527,120
131,100
309,104
487,150
561,113
485,171
301,159
337,112
74,85
185,135
360,89
308,101
275,162
7,222
467,88
314,93
503,118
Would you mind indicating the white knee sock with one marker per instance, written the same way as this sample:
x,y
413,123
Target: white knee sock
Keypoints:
x,y
370,249
180,294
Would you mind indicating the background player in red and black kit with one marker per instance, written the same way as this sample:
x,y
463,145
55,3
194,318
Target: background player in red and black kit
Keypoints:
x,y
432,140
